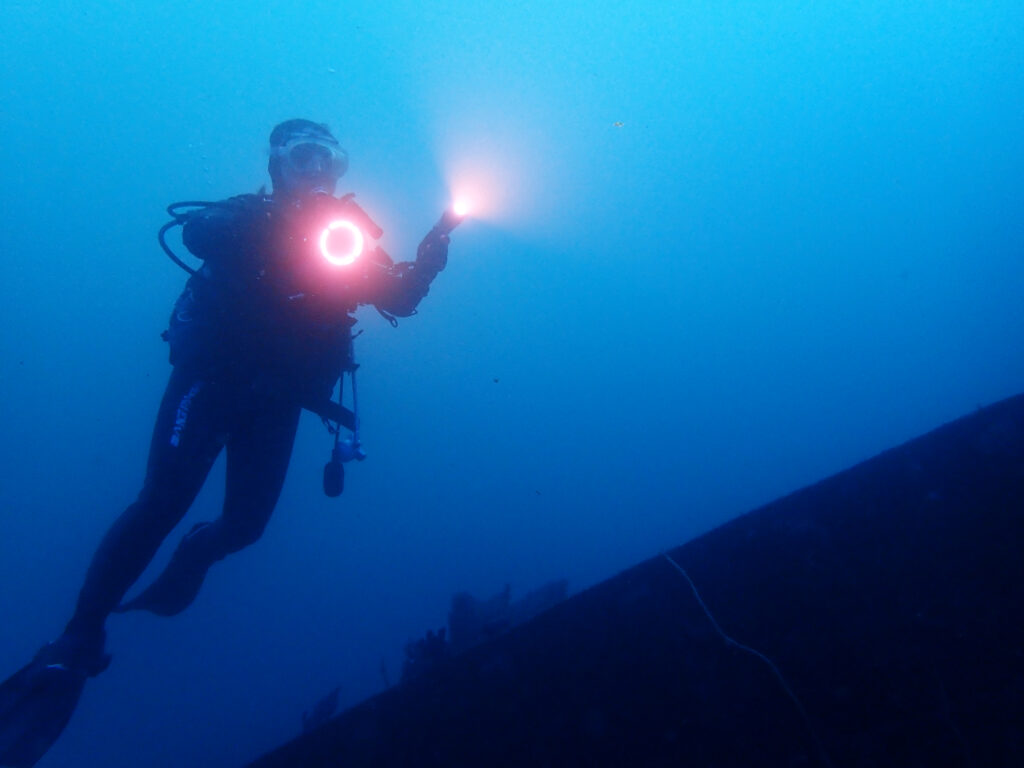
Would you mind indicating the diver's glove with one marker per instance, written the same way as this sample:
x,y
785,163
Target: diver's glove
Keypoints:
x,y
432,254
412,279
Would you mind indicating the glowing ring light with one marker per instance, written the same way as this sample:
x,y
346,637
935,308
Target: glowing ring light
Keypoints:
x,y
341,259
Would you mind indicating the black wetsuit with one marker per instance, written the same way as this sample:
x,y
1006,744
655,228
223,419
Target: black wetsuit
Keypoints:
x,y
254,339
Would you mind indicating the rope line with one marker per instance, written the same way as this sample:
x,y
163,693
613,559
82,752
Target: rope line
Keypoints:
x,y
754,652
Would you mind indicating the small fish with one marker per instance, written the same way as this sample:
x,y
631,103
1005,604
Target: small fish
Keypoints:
x,y
618,124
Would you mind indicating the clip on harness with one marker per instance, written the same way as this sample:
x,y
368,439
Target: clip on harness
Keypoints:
x,y
350,448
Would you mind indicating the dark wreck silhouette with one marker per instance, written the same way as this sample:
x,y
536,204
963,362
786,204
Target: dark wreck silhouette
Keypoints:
x,y
871,619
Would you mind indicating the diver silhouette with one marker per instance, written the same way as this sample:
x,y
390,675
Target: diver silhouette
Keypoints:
x,y
262,330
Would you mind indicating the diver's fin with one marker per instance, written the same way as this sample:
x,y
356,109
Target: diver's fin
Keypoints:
x,y
178,585
176,588
169,595
37,701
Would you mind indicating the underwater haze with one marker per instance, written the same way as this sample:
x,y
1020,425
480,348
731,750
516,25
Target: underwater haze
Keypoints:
x,y
718,251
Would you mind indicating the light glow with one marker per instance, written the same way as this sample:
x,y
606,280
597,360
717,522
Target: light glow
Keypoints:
x,y
499,158
345,257
460,207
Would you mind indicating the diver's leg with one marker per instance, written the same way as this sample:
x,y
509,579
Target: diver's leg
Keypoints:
x,y
258,451
37,701
257,462
187,437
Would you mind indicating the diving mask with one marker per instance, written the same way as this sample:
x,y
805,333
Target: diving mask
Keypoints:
x,y
309,157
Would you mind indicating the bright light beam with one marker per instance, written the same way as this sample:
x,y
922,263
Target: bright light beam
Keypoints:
x,y
343,258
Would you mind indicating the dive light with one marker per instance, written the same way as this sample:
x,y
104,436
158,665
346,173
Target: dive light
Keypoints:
x,y
343,240
451,218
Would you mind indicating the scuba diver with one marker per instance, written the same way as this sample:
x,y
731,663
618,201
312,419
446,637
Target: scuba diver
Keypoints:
x,y
262,330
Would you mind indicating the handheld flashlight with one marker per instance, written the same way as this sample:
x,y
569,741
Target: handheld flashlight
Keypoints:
x,y
451,218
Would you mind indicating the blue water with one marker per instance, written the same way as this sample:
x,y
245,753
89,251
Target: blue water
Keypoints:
x,y
721,250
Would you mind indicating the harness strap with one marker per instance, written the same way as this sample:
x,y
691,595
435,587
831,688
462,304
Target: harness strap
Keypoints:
x,y
329,410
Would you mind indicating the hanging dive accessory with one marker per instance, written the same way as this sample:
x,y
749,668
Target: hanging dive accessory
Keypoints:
x,y
350,448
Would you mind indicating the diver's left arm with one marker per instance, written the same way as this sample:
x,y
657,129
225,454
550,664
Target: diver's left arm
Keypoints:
x,y
408,282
